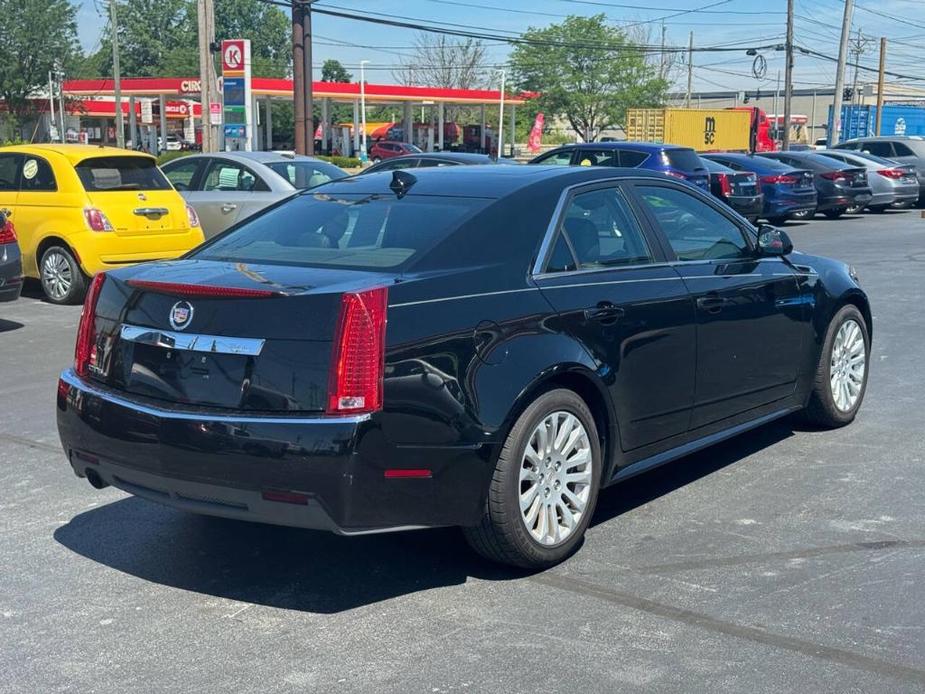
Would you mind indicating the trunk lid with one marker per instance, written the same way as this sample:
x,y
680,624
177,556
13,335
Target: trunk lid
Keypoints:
x,y
266,352
744,184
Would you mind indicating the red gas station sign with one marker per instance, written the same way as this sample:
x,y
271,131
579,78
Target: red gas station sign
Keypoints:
x,y
233,55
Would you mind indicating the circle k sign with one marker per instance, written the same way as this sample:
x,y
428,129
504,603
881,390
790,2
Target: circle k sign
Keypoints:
x,y
233,55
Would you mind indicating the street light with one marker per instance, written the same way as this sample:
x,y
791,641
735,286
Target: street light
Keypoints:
x,y
501,119
363,157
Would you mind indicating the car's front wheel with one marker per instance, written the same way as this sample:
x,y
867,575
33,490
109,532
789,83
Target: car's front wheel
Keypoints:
x,y
835,213
544,487
62,279
841,374
777,221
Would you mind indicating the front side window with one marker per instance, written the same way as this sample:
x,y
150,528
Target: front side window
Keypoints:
x,y
364,232
229,176
104,174
631,158
597,157
602,230
902,150
694,229
561,158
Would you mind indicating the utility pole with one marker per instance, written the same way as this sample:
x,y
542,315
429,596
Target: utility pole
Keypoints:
x,y
298,77
208,84
788,76
53,124
776,130
116,75
307,74
690,69
664,62
832,136
858,49
880,84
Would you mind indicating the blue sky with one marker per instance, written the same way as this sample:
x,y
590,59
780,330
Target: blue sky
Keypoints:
x,y
727,22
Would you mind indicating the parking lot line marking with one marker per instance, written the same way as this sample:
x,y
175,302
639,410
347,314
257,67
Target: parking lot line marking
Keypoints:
x,y
29,443
703,621
866,546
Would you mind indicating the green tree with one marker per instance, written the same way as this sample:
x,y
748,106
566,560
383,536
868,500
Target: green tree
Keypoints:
x,y
586,72
267,27
35,36
333,71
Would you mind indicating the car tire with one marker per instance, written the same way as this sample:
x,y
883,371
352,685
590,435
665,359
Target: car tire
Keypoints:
x,y
835,214
828,407
63,282
878,209
376,160
803,214
854,209
777,221
528,538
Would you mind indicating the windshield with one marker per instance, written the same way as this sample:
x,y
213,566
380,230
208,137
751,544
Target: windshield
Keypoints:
x,y
682,159
306,174
102,174
363,232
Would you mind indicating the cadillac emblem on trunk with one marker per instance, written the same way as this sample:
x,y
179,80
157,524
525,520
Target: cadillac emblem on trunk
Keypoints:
x,y
181,315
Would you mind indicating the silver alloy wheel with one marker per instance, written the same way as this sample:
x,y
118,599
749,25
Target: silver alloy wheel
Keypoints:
x,y
847,366
555,478
56,275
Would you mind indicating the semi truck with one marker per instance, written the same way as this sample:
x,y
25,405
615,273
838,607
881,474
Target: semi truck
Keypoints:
x,y
741,129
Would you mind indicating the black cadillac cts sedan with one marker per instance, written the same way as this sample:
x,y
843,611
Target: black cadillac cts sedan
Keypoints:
x,y
470,346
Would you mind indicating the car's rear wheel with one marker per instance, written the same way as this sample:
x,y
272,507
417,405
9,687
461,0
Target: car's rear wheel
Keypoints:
x,y
878,208
834,214
841,375
853,209
544,487
777,221
62,279
804,214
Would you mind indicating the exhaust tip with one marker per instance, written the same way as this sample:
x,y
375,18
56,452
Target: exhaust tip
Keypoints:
x,y
97,482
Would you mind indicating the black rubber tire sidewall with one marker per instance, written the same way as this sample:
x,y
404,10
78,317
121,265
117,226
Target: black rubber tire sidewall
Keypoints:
x,y
503,536
777,221
834,214
822,409
78,282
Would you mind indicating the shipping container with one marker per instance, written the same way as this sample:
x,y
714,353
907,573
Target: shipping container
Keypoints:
x,y
861,121
705,130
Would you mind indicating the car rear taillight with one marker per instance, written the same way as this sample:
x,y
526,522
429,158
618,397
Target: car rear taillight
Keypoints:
x,y
7,232
192,217
85,349
358,360
676,174
96,220
780,178
834,176
895,174
725,184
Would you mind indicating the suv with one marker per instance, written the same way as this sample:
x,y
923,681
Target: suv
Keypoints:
x,y
678,162
905,150
385,149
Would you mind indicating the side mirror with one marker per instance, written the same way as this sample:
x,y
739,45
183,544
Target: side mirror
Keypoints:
x,y
773,241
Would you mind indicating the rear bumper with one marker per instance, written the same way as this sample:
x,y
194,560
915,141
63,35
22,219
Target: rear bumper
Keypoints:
x,y
843,199
330,470
746,205
780,207
101,251
10,273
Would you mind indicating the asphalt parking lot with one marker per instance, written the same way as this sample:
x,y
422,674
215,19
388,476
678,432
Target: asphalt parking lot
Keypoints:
x,y
784,560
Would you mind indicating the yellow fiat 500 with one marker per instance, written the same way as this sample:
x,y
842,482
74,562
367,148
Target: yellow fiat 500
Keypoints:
x,y
80,209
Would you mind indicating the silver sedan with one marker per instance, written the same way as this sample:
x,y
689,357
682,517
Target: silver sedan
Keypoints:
x,y
227,187
891,183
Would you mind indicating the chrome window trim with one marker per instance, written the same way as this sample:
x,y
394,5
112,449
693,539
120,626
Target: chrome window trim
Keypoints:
x,y
83,389
463,296
192,342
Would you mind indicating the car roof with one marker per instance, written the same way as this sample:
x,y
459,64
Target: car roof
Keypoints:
x,y
76,153
478,181
914,138
260,157
627,144
459,157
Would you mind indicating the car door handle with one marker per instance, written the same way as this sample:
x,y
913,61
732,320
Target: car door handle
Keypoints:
x,y
605,312
712,303
229,207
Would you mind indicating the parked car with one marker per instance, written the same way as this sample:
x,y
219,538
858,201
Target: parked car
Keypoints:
x,y
400,354
386,149
892,184
839,186
679,162
81,209
786,190
425,159
227,187
905,150
10,259
738,189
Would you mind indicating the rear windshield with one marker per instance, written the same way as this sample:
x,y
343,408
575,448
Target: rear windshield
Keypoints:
x,y
682,159
363,232
306,174
102,174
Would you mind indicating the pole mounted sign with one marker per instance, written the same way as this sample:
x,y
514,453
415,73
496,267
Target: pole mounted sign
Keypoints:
x,y
236,93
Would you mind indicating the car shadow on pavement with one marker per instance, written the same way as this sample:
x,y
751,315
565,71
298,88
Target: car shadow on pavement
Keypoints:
x,y
320,572
9,325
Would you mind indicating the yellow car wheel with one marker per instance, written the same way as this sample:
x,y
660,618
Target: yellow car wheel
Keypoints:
x,y
62,279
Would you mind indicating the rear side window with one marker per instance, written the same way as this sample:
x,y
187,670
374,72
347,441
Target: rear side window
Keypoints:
x,y
881,149
902,150
560,158
364,232
103,174
597,157
683,159
37,176
303,174
631,158
229,176
182,173
9,171
602,230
